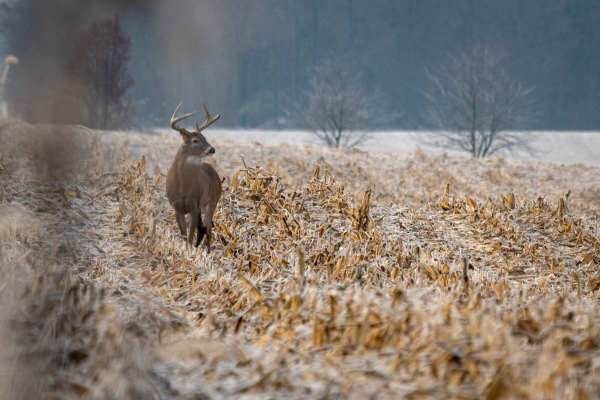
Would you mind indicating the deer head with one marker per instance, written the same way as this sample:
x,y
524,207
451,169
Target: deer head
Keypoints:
x,y
194,142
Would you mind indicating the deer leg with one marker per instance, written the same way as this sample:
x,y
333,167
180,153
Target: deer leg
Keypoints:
x,y
193,222
201,229
208,215
181,222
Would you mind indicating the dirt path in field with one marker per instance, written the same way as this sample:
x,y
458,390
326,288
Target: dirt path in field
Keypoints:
x,y
73,334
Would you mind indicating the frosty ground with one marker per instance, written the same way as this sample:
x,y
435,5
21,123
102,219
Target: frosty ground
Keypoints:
x,y
559,147
335,273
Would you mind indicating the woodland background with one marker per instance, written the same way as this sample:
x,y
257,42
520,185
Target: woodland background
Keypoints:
x,y
244,59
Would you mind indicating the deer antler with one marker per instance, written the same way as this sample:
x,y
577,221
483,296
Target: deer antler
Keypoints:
x,y
176,120
208,121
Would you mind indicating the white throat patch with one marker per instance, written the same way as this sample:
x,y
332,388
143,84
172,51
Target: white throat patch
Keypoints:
x,y
194,160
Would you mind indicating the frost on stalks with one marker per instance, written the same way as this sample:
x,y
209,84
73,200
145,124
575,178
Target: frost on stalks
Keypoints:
x,y
475,105
311,290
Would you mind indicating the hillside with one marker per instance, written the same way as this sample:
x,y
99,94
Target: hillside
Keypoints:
x,y
317,286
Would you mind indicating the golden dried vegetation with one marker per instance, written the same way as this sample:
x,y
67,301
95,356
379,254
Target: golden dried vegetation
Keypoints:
x,y
314,289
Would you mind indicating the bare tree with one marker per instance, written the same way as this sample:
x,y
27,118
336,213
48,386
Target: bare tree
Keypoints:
x,y
335,108
474,103
98,67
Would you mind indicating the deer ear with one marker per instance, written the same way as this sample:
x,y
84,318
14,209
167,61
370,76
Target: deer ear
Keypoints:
x,y
183,132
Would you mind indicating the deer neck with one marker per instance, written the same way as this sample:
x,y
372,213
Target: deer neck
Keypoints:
x,y
188,157
194,160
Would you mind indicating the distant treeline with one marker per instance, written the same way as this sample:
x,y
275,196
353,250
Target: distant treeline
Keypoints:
x,y
245,58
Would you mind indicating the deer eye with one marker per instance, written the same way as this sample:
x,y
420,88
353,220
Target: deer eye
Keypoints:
x,y
195,141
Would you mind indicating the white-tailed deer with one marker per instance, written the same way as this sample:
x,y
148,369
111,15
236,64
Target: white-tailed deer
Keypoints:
x,y
193,186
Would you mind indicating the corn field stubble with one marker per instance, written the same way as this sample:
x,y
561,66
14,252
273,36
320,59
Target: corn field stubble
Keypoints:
x,y
314,289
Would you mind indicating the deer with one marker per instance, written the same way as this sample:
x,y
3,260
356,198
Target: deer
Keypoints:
x,y
193,186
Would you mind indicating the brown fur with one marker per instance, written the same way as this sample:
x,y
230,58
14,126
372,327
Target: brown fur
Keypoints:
x,y
193,186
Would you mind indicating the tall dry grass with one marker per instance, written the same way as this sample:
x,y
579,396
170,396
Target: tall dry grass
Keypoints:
x,y
58,153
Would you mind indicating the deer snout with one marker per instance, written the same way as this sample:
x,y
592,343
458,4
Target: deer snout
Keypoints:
x,y
210,151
